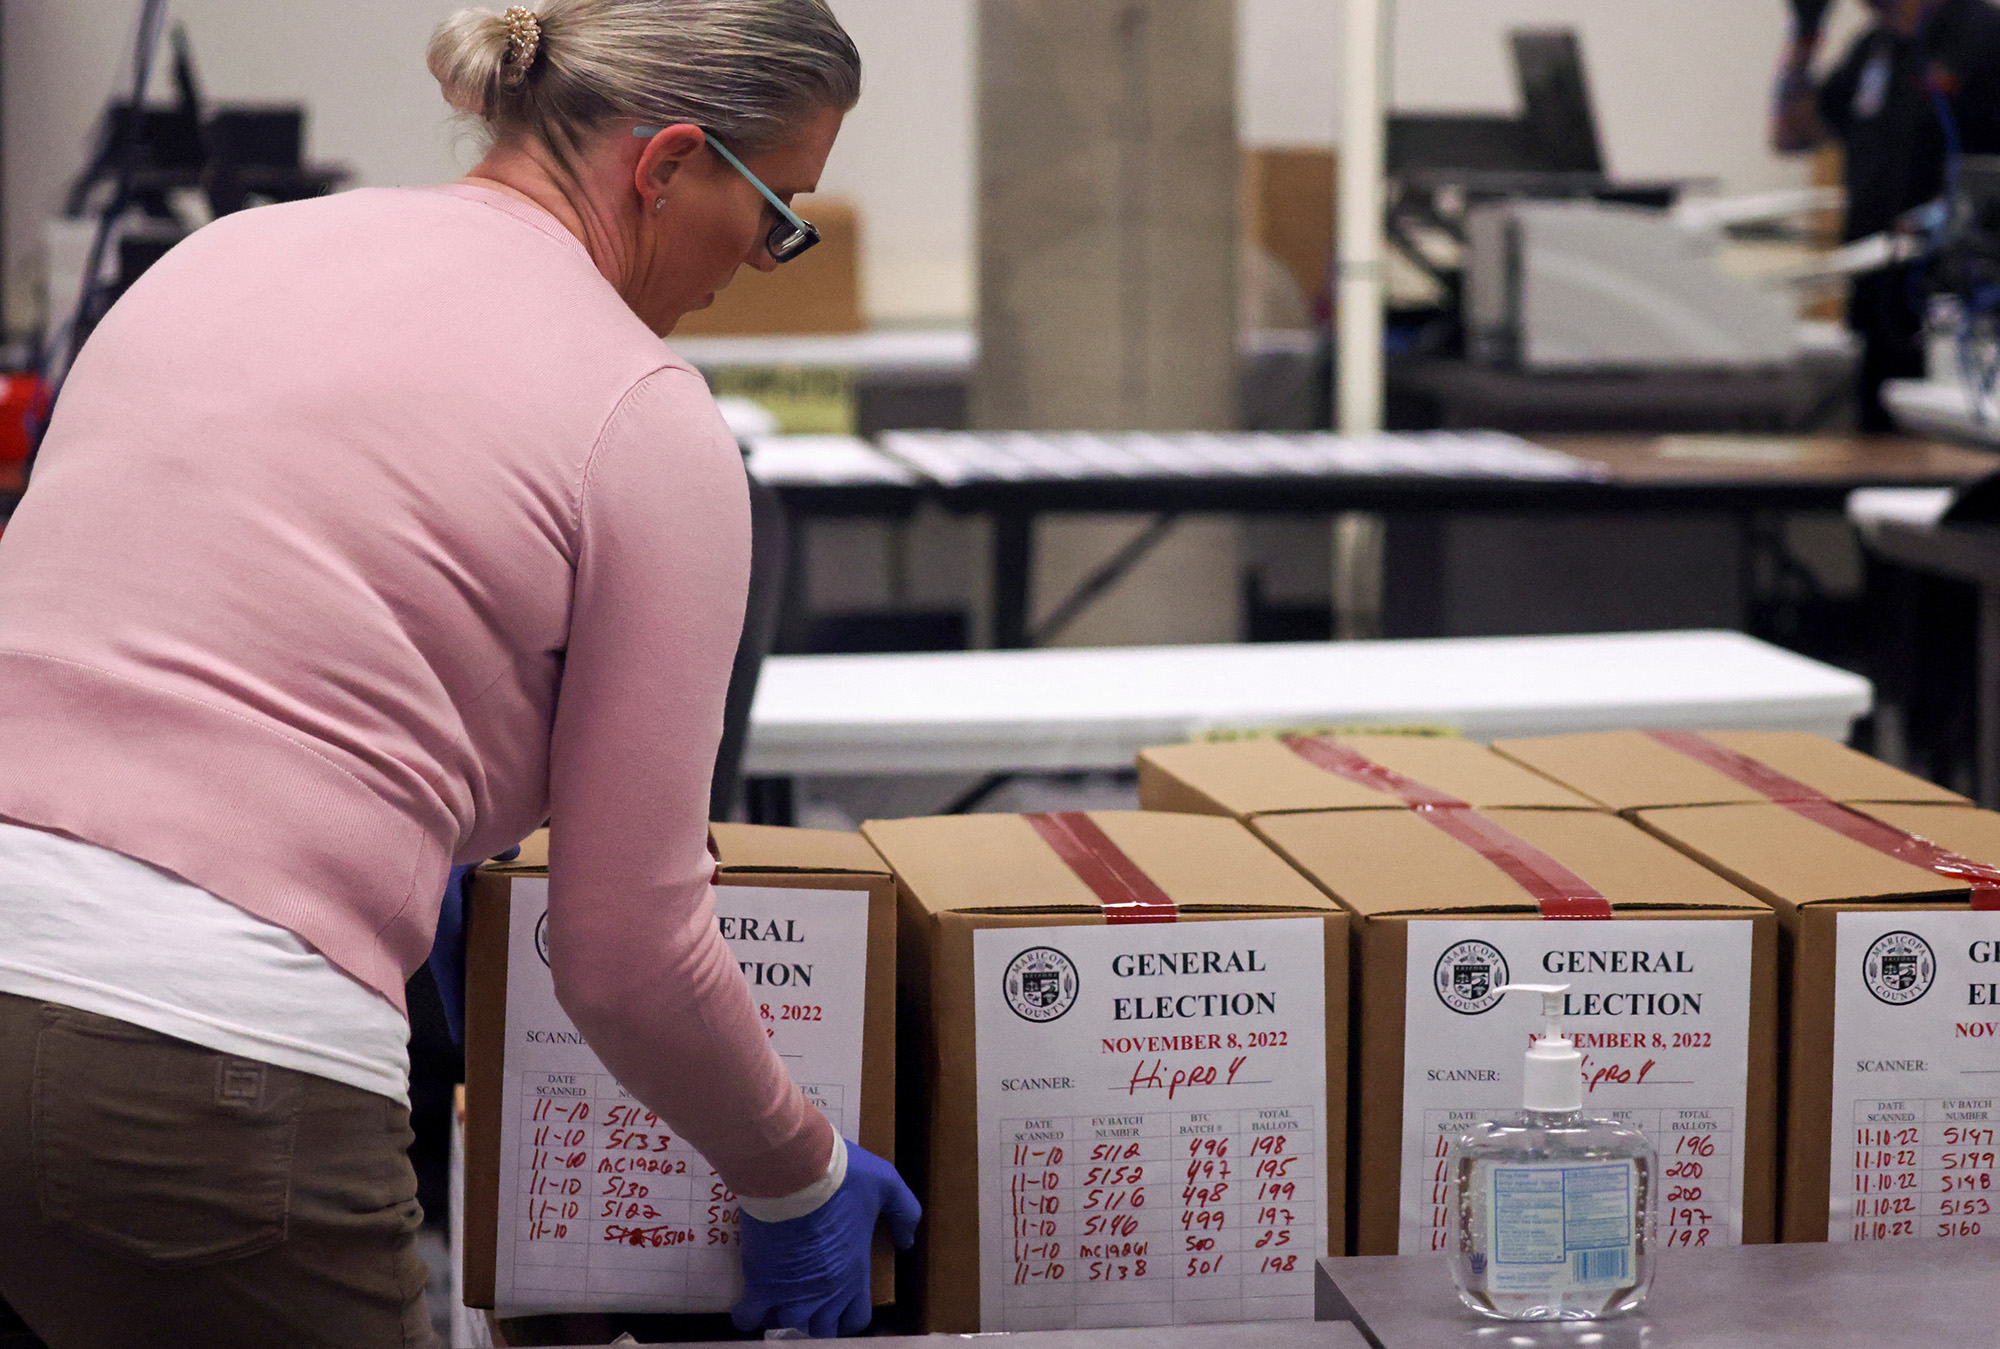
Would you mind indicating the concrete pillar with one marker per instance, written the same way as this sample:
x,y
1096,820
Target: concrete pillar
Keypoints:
x,y
1108,194
1108,168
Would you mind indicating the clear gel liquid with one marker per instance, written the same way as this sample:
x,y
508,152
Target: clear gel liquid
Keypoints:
x,y
1610,1273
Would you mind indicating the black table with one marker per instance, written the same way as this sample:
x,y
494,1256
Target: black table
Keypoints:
x,y
1935,1294
1789,398
1968,553
1645,475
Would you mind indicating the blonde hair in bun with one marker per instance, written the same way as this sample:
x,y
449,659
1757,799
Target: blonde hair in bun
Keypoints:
x,y
748,70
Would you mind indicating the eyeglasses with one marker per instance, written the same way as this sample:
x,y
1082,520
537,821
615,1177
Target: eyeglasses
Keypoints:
x,y
788,238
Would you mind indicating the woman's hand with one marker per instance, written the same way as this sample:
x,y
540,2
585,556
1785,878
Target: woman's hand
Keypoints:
x,y
811,1273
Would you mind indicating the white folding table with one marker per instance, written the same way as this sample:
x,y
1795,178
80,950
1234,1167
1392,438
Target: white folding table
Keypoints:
x,y
1059,709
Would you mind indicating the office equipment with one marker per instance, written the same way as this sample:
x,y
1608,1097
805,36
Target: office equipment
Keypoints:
x,y
1420,141
1449,169
122,152
144,155
1556,109
1586,285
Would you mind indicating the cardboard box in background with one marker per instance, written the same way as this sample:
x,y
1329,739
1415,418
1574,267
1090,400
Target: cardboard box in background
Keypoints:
x,y
1829,169
1631,770
817,292
1001,938
1287,212
1248,778
769,883
1680,1043
1894,1035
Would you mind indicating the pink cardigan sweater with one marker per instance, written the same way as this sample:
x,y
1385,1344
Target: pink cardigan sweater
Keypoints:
x,y
370,532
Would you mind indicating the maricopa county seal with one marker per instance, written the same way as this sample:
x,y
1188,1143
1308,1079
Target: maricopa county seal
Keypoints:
x,y
1899,968
1041,984
542,939
1467,975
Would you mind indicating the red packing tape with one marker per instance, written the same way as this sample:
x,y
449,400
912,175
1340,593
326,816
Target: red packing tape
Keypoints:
x,y
1844,820
1127,893
1558,892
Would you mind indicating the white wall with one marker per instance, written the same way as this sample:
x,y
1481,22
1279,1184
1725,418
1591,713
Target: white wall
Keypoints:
x,y
1681,87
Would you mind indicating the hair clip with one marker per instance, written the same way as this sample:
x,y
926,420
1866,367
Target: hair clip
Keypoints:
x,y
524,41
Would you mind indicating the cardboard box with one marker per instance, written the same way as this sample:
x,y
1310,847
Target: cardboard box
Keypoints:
x,y
1116,1123
817,292
1632,770
1679,1038
1891,1113
1287,211
1248,778
811,917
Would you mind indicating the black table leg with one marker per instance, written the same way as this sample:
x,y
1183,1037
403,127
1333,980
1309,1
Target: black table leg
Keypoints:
x,y
1413,580
1013,578
795,604
769,800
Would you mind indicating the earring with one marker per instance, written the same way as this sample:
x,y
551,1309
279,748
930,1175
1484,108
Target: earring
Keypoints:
x,y
659,203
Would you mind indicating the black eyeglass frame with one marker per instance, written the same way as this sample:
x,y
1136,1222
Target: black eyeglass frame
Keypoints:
x,y
792,235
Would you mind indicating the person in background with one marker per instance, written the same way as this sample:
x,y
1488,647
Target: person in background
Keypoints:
x,y
369,533
1920,84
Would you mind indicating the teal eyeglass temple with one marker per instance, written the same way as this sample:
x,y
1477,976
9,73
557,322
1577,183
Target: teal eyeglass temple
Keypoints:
x,y
791,236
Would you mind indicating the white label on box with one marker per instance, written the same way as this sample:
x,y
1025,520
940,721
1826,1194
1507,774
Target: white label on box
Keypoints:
x,y
1916,1076
1661,1014
602,1207
1151,1142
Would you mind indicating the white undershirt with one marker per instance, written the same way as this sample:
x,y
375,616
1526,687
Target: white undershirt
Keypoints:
x,y
96,930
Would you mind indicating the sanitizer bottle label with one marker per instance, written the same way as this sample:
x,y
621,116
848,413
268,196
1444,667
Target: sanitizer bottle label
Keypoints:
x,y
1555,1229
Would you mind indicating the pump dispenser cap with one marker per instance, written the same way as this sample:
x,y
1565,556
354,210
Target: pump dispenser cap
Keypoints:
x,y
1552,1076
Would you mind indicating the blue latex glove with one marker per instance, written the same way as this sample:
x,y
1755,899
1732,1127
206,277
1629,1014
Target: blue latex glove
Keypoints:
x,y
447,958
811,1273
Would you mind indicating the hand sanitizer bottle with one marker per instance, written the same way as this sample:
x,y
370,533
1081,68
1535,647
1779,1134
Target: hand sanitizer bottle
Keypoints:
x,y
1553,1212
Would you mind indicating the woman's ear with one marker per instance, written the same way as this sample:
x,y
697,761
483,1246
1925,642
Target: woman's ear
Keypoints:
x,y
662,158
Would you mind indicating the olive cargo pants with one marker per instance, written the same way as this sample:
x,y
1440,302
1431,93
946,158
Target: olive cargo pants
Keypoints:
x,y
155,1193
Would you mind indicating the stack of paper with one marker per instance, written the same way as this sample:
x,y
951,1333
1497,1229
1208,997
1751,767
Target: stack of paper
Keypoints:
x,y
823,461
959,458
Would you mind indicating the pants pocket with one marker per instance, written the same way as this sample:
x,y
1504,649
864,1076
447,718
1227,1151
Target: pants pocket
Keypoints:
x,y
159,1150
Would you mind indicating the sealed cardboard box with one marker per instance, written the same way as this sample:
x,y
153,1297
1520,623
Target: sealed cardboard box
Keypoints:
x,y
579,1199
1248,778
1643,770
1672,999
1126,1038
1892,920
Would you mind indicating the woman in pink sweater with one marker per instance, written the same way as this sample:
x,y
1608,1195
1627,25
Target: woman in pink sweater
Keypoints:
x,y
369,533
